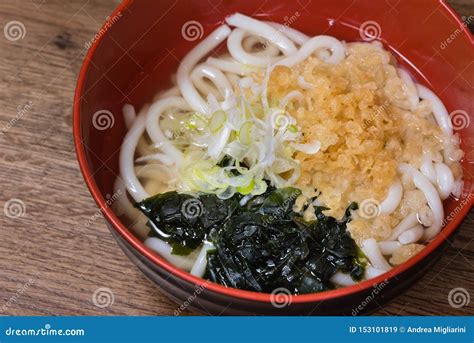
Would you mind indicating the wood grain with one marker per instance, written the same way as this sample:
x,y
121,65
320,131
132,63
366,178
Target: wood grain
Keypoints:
x,y
51,261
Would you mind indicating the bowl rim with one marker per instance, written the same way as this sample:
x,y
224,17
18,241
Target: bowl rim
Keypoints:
x,y
206,284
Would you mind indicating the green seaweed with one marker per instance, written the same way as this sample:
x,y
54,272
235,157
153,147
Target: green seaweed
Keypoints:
x,y
260,245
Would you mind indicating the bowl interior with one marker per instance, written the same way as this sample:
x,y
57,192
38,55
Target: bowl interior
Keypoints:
x,y
139,50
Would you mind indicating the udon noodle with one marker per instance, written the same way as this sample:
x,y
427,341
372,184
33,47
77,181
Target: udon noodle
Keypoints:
x,y
338,120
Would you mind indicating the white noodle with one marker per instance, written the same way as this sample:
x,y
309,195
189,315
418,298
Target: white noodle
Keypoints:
x,y
127,152
237,51
164,249
222,84
457,189
185,84
270,49
303,84
338,51
373,253
372,272
412,235
439,110
389,247
432,197
393,198
307,148
445,180
407,223
290,96
296,36
165,159
199,266
425,216
410,88
264,30
123,206
427,168
229,66
342,279
153,125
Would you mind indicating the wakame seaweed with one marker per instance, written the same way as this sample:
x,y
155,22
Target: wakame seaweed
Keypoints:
x,y
184,220
261,245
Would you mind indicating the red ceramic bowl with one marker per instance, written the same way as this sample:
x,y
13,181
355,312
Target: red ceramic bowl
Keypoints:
x,y
137,50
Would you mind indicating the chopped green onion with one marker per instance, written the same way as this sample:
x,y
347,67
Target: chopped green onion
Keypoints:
x,y
217,121
293,128
195,121
245,133
244,190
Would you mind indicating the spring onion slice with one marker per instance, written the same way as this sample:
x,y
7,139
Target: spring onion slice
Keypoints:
x,y
236,147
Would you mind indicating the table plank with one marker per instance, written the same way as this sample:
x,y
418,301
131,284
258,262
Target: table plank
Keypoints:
x,y
51,262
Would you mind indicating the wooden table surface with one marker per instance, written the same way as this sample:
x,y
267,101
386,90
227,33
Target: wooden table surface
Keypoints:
x,y
51,262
